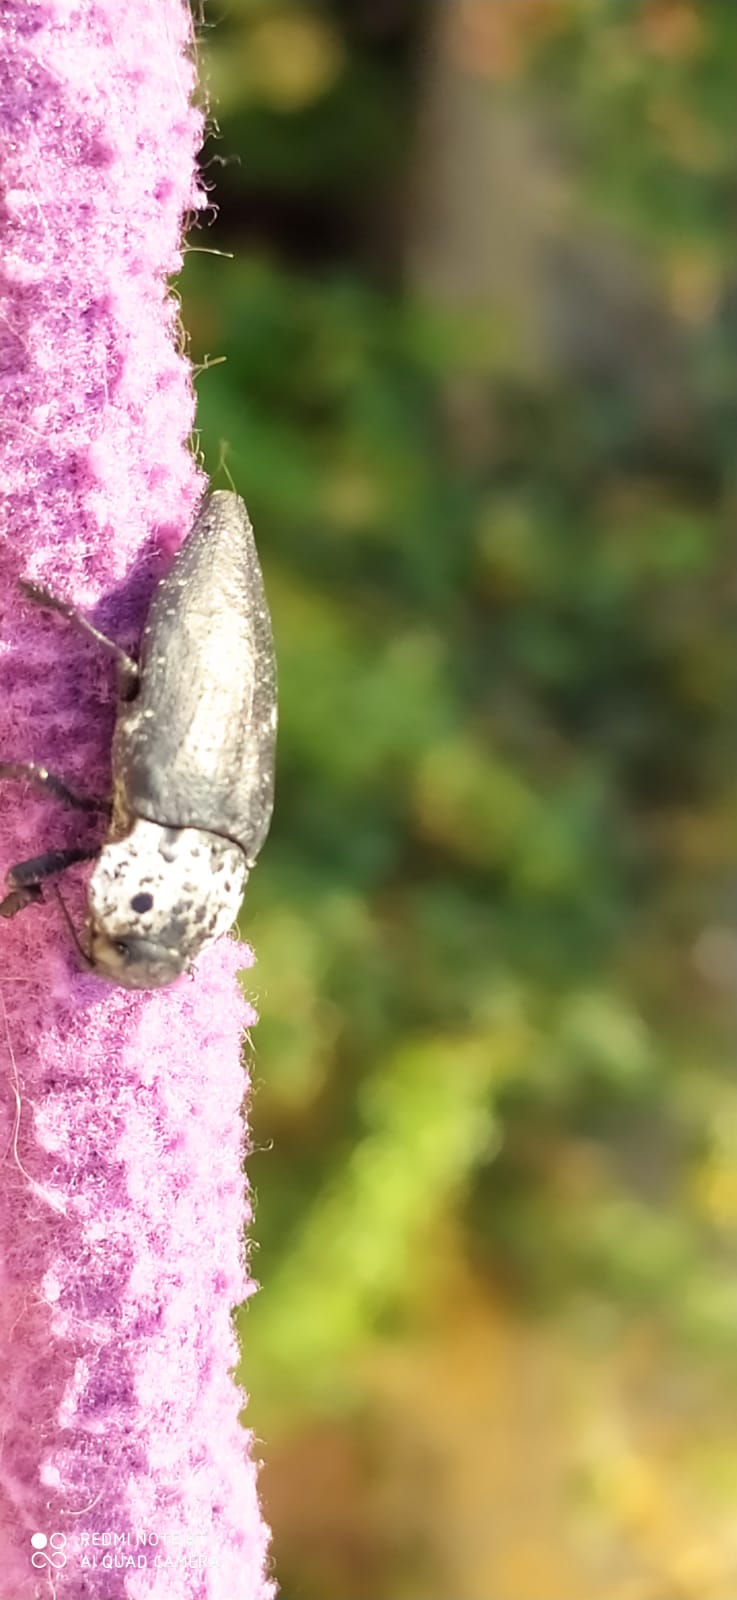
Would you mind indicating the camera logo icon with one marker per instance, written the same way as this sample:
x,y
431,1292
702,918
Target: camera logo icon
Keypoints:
x,y
48,1550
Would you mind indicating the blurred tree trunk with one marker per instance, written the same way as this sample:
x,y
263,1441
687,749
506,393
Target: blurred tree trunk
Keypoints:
x,y
493,228
484,193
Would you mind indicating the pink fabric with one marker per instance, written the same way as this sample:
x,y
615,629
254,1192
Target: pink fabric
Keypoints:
x,y
122,1203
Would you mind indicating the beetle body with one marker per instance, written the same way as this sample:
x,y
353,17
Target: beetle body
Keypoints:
x,y
194,748
192,761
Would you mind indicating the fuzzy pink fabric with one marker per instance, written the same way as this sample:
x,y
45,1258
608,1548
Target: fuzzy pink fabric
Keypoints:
x,y
124,1471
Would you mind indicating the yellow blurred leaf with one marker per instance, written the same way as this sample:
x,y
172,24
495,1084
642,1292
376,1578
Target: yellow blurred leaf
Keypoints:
x,y
351,497
715,1193
605,1030
689,140
472,802
294,58
694,284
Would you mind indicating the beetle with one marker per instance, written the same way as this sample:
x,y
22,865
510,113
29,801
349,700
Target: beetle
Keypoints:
x,y
192,761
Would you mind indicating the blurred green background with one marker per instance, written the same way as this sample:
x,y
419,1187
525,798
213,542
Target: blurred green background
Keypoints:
x,y
476,302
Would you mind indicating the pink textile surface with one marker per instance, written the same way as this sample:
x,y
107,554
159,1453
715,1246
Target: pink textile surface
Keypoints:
x,y
122,1198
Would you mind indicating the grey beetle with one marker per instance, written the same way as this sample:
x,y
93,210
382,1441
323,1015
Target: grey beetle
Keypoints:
x,y
192,762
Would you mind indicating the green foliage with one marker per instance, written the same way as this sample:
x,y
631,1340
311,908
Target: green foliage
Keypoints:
x,y
503,823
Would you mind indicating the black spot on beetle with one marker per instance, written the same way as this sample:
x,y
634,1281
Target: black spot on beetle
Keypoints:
x,y
142,902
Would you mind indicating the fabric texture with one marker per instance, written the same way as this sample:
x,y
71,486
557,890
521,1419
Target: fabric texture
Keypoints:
x,y
124,1470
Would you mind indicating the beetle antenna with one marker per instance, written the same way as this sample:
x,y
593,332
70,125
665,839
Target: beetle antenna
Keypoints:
x,y
74,936
223,464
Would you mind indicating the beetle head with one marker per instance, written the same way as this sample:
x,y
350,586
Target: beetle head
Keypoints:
x,y
134,962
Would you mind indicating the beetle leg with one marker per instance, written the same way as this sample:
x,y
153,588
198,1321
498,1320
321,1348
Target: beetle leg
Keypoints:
x,y
43,779
24,880
126,666
18,899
